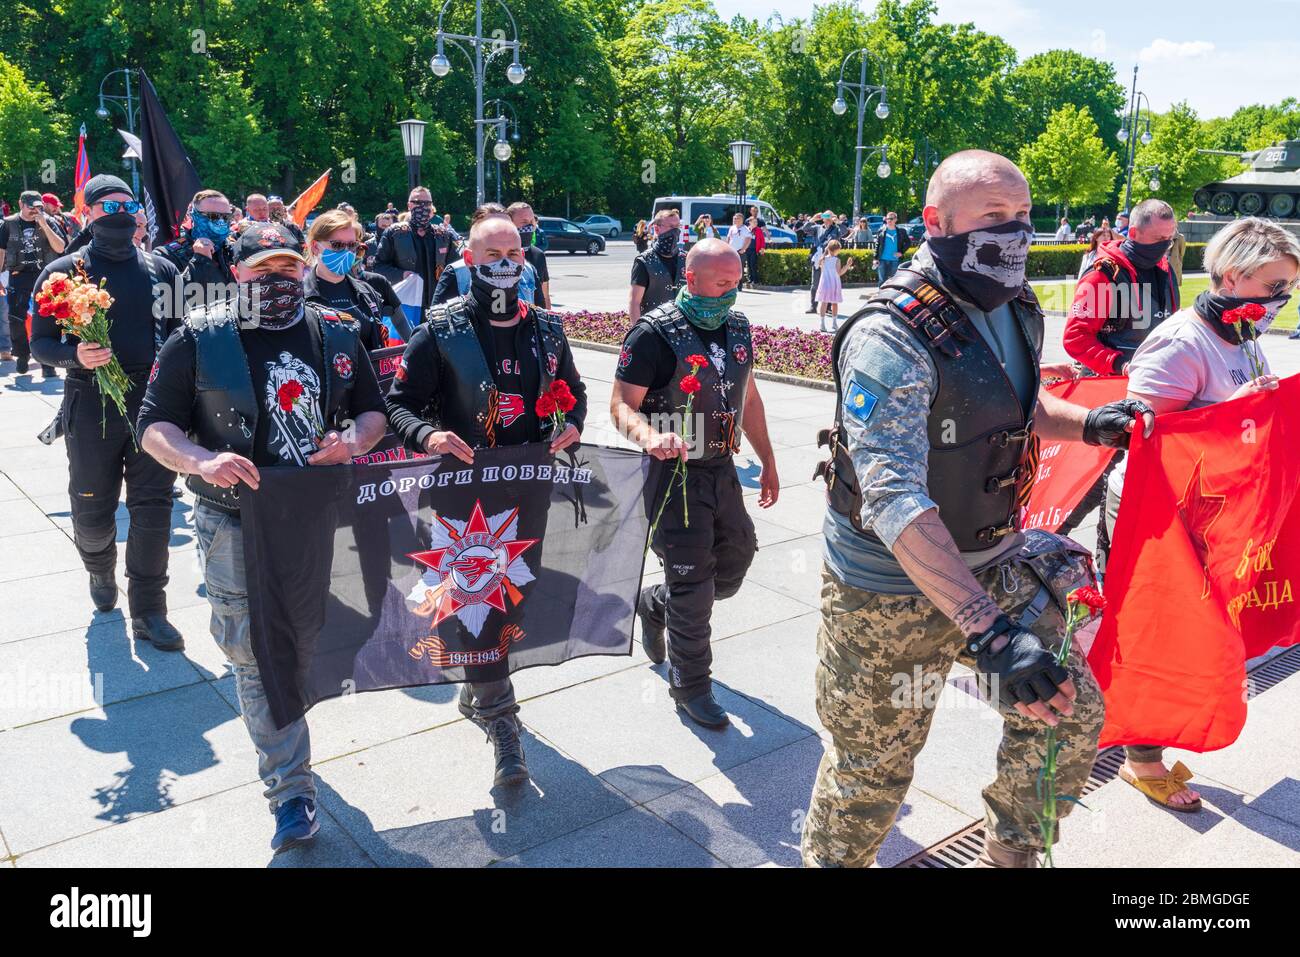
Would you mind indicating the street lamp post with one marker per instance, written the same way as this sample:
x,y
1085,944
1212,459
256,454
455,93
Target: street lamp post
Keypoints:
x,y
1154,182
413,146
742,154
926,158
862,92
501,124
129,105
1128,134
480,61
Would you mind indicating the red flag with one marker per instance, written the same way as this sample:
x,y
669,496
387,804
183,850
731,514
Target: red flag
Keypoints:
x,y
1066,470
1201,570
80,175
301,207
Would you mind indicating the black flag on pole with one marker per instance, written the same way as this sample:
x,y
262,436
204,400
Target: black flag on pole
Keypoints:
x,y
167,177
365,577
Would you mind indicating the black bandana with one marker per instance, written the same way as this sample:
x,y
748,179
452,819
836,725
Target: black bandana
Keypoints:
x,y
113,236
984,266
271,302
1211,306
1145,255
666,243
495,287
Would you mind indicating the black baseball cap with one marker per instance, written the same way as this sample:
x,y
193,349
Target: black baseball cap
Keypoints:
x,y
261,241
30,197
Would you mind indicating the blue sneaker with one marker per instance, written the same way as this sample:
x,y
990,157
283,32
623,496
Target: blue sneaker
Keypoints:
x,y
295,823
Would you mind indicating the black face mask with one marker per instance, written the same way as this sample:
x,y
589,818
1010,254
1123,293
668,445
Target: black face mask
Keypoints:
x,y
113,236
1211,306
494,287
271,302
1145,255
985,266
421,214
666,243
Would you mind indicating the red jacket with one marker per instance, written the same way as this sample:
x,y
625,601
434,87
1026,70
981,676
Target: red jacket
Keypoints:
x,y
1094,304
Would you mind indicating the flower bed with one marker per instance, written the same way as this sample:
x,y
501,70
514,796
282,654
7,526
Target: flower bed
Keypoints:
x,y
781,349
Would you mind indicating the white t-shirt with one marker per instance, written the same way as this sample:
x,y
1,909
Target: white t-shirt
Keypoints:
x,y
1183,358
737,235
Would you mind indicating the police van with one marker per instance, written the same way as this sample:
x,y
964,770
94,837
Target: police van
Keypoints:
x,y
722,207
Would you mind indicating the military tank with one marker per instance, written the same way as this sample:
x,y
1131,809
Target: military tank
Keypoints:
x,y
1271,187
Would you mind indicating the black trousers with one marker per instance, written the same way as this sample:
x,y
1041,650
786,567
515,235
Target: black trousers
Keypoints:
x,y
100,458
703,561
20,296
812,290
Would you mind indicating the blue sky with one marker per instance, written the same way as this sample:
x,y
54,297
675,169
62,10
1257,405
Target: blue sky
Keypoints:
x,y
1216,55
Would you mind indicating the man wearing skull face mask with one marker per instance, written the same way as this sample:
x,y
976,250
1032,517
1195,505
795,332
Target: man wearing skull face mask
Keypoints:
x,y
934,449
418,247
102,452
469,379
658,273
279,377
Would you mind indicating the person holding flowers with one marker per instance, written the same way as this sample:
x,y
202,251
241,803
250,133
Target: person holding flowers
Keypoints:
x,y
489,369
103,312
1199,356
684,392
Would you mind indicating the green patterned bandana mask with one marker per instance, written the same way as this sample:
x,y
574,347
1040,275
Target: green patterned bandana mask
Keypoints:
x,y
706,312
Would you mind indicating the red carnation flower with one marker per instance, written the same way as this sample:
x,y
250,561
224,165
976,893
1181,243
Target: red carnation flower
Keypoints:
x,y
46,308
1089,597
563,397
1250,312
58,287
690,384
63,310
696,360
288,394
545,405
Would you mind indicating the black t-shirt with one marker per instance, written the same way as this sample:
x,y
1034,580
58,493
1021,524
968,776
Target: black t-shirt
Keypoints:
x,y
1153,284
537,258
641,273
648,360
29,247
511,395
287,381
343,297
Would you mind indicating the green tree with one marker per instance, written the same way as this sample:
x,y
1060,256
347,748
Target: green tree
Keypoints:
x,y
1047,81
34,134
1176,137
1068,163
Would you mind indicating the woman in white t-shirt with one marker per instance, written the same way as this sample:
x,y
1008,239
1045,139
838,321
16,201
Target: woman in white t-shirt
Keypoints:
x,y
1194,359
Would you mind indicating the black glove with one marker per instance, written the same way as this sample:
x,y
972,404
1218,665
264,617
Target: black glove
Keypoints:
x,y
1106,424
1026,671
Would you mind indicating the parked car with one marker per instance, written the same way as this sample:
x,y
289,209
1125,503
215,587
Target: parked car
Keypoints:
x,y
915,229
563,234
722,206
602,224
875,223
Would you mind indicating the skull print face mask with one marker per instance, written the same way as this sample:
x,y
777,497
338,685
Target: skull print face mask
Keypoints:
x,y
985,266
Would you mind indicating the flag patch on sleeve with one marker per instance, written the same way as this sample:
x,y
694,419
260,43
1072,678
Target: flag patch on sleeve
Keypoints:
x,y
858,402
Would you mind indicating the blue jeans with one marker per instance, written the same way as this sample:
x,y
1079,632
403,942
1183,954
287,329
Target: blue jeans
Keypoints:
x,y
283,754
885,270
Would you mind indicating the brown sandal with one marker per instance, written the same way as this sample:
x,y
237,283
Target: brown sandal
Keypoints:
x,y
1160,789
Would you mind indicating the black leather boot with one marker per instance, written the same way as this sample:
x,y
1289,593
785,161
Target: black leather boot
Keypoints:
x,y
157,630
703,709
103,591
509,750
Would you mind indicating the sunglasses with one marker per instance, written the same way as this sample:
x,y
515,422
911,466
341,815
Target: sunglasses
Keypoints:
x,y
111,206
1283,288
215,217
338,245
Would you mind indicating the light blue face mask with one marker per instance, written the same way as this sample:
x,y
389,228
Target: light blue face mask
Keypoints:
x,y
338,261
205,228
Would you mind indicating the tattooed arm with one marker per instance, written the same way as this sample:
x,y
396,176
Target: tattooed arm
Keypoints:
x,y
928,554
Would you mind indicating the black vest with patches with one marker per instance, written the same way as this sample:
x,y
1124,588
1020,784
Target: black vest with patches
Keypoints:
x,y
1127,306
720,403
660,288
983,451
226,408
467,399
14,250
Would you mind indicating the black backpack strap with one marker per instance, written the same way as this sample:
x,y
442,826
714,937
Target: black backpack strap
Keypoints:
x,y
927,310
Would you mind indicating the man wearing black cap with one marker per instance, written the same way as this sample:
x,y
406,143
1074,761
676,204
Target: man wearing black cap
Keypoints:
x,y
29,239
284,382
100,441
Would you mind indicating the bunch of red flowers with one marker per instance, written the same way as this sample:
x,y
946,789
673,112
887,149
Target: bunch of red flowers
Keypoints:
x,y
1243,318
554,403
690,384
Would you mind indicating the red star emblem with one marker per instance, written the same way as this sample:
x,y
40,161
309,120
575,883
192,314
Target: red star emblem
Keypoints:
x,y
1198,510
472,567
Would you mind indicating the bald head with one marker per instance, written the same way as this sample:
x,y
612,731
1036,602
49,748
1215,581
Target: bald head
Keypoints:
x,y
974,189
494,237
712,268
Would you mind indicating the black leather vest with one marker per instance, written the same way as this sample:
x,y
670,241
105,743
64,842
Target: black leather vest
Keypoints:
x,y
720,403
226,408
467,399
661,287
14,249
983,451
1118,332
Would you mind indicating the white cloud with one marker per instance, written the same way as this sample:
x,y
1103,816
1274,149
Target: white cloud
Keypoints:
x,y
1162,49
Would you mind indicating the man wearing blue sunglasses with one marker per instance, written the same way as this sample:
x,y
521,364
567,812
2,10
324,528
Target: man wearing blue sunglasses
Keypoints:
x,y
102,450
202,255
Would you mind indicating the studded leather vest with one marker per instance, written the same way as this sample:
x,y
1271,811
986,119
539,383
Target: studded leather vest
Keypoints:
x,y
14,250
983,451
719,405
661,287
467,400
226,407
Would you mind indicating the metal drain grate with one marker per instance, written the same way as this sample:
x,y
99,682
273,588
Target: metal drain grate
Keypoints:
x,y
963,848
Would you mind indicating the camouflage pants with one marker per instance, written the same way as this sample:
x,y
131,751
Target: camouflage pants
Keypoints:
x,y
870,646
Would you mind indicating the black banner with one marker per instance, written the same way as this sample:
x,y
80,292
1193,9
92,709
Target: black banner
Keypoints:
x,y
168,180
390,575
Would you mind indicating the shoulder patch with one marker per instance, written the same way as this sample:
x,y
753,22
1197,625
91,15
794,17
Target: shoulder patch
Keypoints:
x,y
879,361
858,402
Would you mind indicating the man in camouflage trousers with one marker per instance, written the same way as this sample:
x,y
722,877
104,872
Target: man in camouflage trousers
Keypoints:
x,y
934,449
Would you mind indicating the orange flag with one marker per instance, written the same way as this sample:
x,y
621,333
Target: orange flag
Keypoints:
x,y
1203,570
301,207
